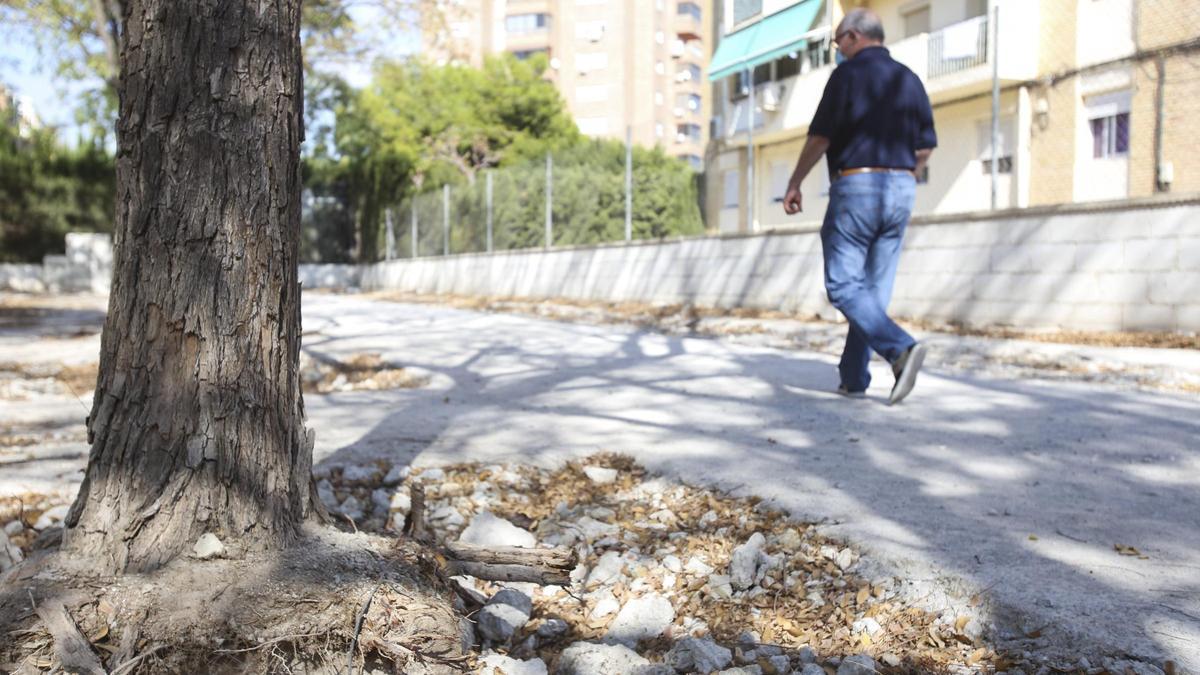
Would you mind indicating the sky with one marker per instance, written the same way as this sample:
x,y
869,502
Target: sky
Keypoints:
x,y
56,100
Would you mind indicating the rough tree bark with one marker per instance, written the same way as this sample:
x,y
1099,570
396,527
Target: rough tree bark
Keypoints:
x,y
198,423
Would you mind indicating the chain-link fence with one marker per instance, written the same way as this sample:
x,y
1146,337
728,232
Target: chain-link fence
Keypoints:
x,y
588,195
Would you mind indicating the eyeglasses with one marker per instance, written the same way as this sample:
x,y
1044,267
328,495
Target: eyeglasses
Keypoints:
x,y
838,37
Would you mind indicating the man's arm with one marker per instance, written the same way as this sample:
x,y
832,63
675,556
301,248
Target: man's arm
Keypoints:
x,y
922,159
814,147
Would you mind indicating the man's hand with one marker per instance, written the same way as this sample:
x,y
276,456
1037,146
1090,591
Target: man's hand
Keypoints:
x,y
792,202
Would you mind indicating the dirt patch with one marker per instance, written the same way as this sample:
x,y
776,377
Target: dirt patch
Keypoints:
x,y
331,602
21,381
360,372
670,316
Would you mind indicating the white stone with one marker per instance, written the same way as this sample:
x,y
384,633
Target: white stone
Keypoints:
x,y
51,517
812,669
503,615
642,618
606,603
845,558
351,508
487,529
593,529
381,500
552,628
673,564
9,553
859,664
668,581
325,492
590,658
400,501
743,567
433,474
494,664
360,473
741,670
719,585
397,474
600,475
697,567
208,546
607,569
866,625
698,655
14,527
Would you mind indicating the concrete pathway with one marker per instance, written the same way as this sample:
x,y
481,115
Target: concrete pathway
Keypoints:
x,y
984,480
1019,488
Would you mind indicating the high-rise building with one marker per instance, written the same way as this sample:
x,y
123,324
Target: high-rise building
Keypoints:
x,y
1098,100
636,64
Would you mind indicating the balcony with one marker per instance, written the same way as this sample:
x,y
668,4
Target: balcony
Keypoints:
x,y
688,27
957,60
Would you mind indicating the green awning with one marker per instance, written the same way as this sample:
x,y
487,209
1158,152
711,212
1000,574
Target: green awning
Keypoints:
x,y
765,40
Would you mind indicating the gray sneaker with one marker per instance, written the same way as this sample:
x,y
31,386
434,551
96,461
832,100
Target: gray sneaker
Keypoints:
x,y
906,368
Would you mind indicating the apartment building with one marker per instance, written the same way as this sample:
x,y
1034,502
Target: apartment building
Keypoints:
x,y
620,64
1097,101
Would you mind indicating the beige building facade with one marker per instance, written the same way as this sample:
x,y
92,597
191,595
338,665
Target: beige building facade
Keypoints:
x,y
619,64
1098,100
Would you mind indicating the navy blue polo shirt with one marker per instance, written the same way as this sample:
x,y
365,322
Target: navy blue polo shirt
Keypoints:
x,y
875,112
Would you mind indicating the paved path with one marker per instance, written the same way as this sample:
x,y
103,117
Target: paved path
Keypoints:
x,y
1017,486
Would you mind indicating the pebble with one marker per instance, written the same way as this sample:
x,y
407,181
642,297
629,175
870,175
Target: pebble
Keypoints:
x,y
607,570
14,527
51,517
606,603
510,666
552,628
807,655
590,658
812,669
397,474
433,474
673,564
9,554
642,618
600,475
744,564
866,625
208,546
859,664
698,655
503,615
489,530
360,474
351,508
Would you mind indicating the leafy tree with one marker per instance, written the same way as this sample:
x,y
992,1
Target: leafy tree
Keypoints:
x,y
47,190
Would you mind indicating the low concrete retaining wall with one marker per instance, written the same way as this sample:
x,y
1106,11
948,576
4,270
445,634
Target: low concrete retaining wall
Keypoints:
x,y
86,267
1112,266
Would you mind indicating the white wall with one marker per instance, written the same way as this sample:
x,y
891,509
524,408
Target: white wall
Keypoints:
x,y
1111,267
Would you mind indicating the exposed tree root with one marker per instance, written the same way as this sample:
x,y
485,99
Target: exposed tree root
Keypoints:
x,y
299,610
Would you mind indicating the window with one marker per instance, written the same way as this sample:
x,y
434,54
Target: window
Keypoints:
x,y
526,23
689,9
976,8
1110,135
694,161
730,196
591,94
788,66
688,102
592,31
916,21
658,130
586,63
740,89
687,132
1004,165
746,9
686,72
523,54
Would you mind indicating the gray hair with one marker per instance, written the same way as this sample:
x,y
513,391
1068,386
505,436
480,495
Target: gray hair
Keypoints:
x,y
864,22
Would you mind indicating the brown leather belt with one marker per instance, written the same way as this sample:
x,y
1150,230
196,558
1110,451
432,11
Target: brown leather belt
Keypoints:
x,y
870,169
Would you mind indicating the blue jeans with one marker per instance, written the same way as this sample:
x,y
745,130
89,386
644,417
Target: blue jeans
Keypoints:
x,y
861,237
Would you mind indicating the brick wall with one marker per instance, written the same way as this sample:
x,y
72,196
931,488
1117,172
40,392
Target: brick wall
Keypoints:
x,y
1052,140
1115,266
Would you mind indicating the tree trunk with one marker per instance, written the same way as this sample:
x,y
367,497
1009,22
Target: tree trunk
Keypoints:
x,y
197,423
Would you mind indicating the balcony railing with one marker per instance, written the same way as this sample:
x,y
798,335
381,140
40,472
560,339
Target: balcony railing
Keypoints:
x,y
958,47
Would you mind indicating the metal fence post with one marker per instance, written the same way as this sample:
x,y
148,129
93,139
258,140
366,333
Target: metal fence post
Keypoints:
x,y
415,251
549,200
446,219
628,183
489,211
391,236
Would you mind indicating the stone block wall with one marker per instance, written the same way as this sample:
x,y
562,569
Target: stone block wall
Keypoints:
x,y
86,267
1112,266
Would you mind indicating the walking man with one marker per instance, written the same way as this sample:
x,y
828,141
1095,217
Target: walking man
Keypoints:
x,y
875,127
